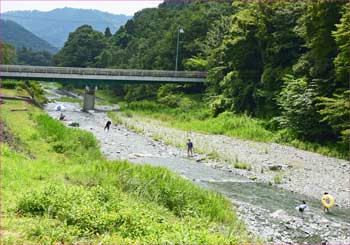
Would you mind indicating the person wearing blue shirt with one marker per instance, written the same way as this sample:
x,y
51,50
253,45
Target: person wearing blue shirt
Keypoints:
x,y
189,148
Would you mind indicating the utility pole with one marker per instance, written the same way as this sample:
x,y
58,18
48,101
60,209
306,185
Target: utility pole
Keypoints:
x,y
179,30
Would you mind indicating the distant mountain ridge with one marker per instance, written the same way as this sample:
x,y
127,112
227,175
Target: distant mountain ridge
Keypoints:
x,y
19,37
54,26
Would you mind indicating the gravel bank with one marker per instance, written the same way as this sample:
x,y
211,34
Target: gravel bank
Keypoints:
x,y
303,172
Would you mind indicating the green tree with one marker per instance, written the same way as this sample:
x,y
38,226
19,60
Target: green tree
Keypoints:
x,y
253,50
316,27
336,112
280,49
342,38
82,48
26,56
108,32
297,101
8,53
315,69
239,60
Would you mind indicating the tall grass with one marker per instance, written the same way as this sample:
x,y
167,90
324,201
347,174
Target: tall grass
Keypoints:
x,y
242,127
69,99
198,118
68,193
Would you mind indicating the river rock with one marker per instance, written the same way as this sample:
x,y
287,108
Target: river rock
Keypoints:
x,y
73,124
275,167
200,159
280,214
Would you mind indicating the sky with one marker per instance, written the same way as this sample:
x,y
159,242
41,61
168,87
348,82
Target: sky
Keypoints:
x,y
127,7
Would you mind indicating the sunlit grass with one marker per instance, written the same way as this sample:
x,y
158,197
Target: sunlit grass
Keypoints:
x,y
69,99
57,188
199,119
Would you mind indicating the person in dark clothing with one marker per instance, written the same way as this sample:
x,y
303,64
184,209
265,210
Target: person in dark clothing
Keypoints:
x,y
302,208
189,148
108,124
62,117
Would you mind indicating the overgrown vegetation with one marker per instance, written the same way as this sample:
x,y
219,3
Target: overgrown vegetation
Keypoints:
x,y
8,53
69,99
27,56
66,192
27,88
199,119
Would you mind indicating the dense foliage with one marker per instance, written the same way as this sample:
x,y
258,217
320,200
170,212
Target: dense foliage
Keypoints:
x,y
8,53
27,56
82,48
287,62
24,56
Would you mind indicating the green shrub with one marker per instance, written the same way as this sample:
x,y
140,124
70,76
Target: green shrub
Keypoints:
x,y
277,179
9,84
67,140
77,206
144,105
241,165
36,91
72,212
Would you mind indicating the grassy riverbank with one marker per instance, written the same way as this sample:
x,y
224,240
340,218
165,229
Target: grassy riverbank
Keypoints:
x,y
195,117
57,188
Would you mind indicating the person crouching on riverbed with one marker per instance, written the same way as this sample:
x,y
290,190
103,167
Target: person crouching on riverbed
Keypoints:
x,y
189,148
108,124
302,207
61,117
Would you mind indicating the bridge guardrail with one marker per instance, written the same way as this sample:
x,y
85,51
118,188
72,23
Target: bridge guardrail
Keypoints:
x,y
98,71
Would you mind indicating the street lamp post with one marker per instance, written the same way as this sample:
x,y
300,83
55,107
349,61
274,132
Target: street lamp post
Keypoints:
x,y
179,30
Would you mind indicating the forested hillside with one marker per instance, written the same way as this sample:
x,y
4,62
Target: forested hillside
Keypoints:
x,y
19,37
64,21
284,62
24,56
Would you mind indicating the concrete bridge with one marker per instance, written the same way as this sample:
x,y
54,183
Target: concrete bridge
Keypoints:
x,y
96,76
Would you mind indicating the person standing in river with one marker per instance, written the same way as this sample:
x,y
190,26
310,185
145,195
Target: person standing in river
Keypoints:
x,y
189,148
327,202
108,124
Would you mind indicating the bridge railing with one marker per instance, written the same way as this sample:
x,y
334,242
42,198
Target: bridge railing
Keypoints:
x,y
100,71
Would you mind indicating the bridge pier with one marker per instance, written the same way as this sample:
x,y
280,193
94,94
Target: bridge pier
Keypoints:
x,y
89,98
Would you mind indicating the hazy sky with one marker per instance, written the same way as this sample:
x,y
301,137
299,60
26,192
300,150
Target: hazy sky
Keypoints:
x,y
127,7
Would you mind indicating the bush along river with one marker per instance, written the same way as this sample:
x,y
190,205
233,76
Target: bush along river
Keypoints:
x,y
267,210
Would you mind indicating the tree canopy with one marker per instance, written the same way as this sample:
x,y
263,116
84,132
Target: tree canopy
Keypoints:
x,y
82,48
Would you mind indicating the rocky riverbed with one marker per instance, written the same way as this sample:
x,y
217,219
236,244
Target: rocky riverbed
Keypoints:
x,y
304,172
268,211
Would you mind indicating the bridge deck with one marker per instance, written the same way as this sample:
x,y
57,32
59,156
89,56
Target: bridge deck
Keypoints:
x,y
48,73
